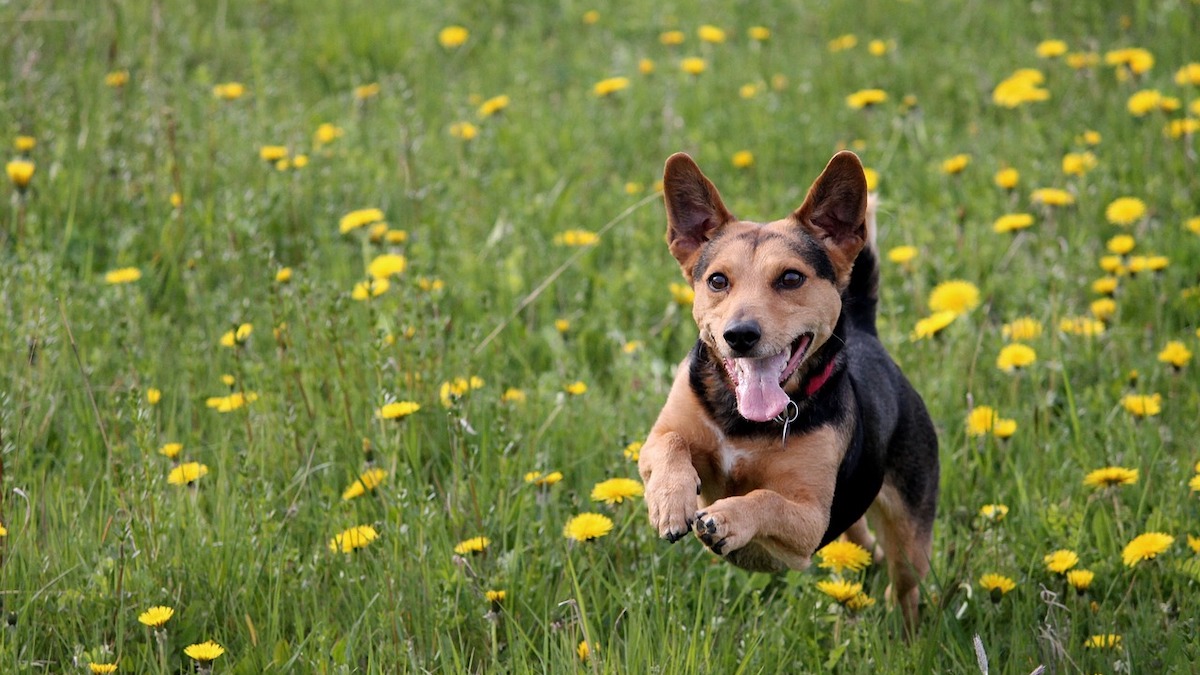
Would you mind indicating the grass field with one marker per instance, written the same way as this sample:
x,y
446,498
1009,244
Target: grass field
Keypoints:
x,y
529,314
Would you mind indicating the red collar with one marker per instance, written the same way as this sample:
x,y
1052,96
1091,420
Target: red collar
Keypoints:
x,y
819,381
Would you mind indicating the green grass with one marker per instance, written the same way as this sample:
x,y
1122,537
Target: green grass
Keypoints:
x,y
96,535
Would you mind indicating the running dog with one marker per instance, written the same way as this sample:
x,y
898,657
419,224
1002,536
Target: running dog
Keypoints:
x,y
789,421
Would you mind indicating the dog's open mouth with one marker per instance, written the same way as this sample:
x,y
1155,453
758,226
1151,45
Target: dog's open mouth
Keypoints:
x,y
758,383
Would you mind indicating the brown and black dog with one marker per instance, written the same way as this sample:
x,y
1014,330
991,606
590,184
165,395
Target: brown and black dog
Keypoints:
x,y
788,421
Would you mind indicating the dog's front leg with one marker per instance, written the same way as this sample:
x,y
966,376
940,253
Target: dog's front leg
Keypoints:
x,y
671,484
789,531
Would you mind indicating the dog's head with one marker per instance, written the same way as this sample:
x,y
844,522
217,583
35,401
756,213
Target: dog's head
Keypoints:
x,y
768,295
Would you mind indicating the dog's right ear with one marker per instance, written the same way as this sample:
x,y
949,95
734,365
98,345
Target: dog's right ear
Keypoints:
x,y
694,209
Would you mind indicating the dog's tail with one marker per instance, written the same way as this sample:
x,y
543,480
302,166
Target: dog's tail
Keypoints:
x,y
862,295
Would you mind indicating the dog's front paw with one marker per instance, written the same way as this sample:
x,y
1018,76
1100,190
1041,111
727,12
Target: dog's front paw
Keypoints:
x,y
721,527
671,500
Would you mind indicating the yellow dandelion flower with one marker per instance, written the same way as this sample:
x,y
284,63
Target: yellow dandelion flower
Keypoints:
x,y
933,324
839,590
576,238
102,668
981,420
865,98
577,388
633,451
229,91
369,480
711,34
1023,86
1103,308
272,153
742,159
327,133
24,144
1004,428
1078,163
842,43
1176,354
156,617
1081,60
1007,179
996,585
955,296
283,275
365,290
646,66
1012,222
1108,641
1144,102
877,47
859,602
1142,406
359,218
1146,547
204,652
872,177
1023,328
902,255
153,396
187,473
591,17
993,512
1120,244
617,490
1194,544
453,36
672,37
397,410
353,539
125,275
1110,476
3,531
682,294
116,79
494,105
513,395
543,479
171,450
584,650
587,527
1015,356
1052,197
1061,560
496,596
1048,49
610,85
956,164
387,265
1125,211
472,545
1080,580
1136,59
759,33
840,556
1081,325
1188,74
366,91
1105,285
693,65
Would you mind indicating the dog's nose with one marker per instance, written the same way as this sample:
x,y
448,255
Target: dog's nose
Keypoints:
x,y
742,336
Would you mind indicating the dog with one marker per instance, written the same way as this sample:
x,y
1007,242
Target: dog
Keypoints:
x,y
788,420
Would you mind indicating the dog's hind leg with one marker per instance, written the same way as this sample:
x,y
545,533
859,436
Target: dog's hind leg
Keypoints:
x,y
906,539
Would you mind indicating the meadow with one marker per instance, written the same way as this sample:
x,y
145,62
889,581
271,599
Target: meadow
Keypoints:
x,y
324,321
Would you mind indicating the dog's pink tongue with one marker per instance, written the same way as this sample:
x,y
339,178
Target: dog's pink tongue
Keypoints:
x,y
759,396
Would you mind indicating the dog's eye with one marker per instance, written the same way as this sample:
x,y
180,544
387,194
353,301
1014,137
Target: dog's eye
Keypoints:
x,y
718,282
791,279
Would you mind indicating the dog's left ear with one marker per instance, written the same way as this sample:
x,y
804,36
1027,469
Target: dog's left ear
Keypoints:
x,y
835,211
